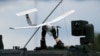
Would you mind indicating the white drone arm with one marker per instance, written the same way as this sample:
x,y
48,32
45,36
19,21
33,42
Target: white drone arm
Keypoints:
x,y
28,27
62,16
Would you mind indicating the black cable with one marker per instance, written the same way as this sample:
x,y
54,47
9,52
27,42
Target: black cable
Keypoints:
x,y
43,22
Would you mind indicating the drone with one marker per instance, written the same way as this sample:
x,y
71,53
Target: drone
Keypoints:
x,y
48,24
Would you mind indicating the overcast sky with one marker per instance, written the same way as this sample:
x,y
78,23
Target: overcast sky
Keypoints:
x,y
85,10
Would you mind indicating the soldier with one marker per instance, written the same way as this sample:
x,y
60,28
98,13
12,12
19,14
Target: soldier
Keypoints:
x,y
52,30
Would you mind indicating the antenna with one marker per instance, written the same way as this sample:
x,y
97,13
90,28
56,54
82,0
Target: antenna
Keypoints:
x,y
43,22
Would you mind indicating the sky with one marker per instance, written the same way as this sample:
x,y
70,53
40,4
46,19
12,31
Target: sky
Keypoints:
x,y
85,10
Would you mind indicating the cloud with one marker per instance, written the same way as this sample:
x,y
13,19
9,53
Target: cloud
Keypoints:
x,y
6,6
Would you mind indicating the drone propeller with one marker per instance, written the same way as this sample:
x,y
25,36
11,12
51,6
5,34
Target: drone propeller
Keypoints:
x,y
27,12
47,23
